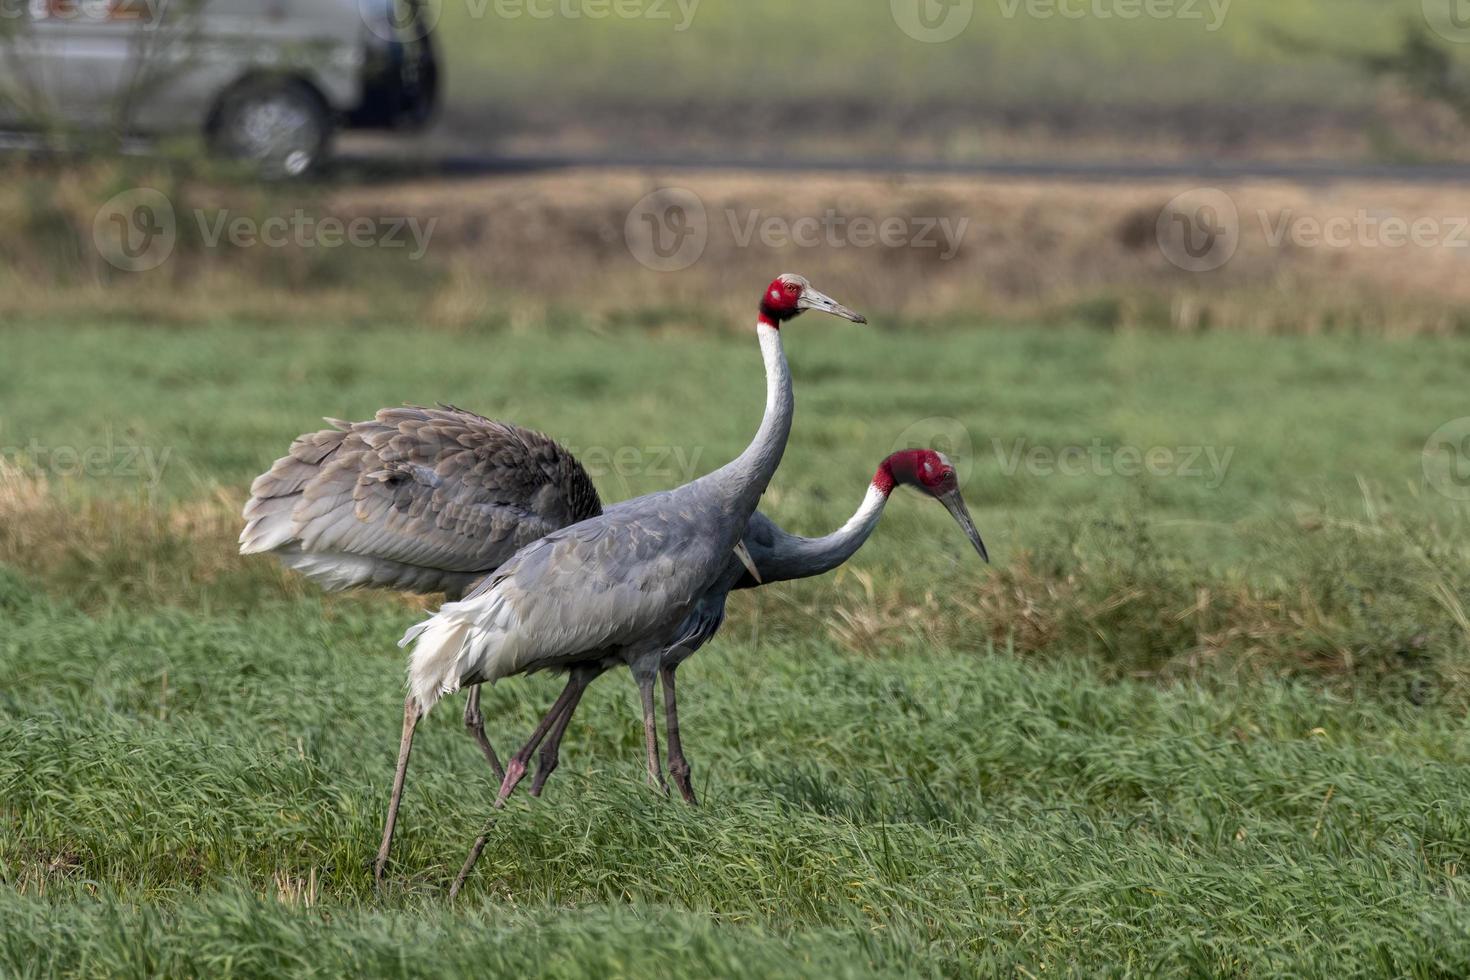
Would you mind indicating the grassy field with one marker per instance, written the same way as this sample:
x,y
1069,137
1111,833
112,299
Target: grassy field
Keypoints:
x,y
1205,720
723,50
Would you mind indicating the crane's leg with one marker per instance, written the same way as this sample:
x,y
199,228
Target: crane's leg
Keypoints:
x,y
475,722
678,765
411,717
650,730
576,683
551,751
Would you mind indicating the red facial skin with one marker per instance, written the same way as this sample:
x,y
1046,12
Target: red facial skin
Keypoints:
x,y
922,469
778,302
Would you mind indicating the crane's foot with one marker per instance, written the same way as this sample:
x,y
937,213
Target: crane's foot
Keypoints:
x,y
681,776
514,773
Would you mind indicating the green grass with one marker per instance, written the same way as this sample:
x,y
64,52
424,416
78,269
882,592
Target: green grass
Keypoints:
x,y
1055,766
755,51
168,777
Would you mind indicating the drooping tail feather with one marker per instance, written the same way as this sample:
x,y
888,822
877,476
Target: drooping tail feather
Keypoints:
x,y
463,641
432,669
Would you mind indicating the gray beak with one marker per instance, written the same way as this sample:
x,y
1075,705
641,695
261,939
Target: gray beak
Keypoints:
x,y
955,504
821,302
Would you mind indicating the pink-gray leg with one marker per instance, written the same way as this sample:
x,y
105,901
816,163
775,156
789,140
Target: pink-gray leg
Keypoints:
x,y
650,731
678,764
475,722
411,717
516,769
551,751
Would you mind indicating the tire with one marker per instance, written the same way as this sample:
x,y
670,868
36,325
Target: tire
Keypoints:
x,y
279,126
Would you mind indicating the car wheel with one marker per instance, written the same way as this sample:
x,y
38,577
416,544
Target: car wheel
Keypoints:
x,y
280,127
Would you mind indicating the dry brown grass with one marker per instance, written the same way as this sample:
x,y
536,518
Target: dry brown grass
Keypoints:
x,y
507,251
93,550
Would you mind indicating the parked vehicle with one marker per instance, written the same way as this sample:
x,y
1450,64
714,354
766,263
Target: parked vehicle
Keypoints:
x,y
267,81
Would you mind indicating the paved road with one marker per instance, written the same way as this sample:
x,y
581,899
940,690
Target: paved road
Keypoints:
x,y
380,159
382,166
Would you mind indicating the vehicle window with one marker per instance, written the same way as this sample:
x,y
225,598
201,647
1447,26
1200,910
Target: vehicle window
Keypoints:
x,y
93,10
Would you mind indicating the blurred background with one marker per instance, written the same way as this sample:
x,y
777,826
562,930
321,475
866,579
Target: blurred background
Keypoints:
x,y
1183,287
1022,152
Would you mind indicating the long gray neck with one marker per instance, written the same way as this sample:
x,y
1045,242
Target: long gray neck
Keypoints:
x,y
745,478
793,557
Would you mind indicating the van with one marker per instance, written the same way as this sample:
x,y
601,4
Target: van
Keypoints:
x,y
264,81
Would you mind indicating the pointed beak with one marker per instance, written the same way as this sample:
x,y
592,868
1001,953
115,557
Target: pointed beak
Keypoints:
x,y
955,504
821,302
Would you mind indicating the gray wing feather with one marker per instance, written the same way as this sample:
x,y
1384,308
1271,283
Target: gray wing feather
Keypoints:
x,y
416,498
593,588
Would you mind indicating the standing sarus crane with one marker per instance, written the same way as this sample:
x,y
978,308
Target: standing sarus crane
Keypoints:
x,y
777,556
428,500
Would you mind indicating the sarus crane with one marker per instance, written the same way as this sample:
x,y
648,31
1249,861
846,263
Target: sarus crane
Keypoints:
x,y
778,556
602,587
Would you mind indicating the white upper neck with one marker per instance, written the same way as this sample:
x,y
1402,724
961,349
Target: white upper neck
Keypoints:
x,y
746,477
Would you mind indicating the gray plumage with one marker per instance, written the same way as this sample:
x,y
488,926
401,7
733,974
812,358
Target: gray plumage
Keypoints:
x,y
612,586
778,556
416,499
